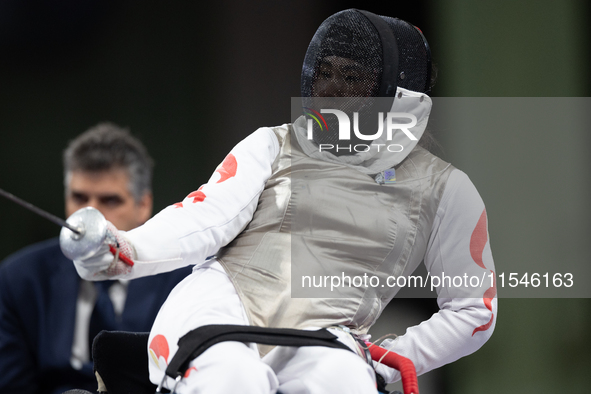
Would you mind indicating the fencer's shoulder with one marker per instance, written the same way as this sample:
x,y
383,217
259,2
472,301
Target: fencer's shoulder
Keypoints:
x,y
456,179
265,133
422,164
261,138
461,194
420,153
37,260
280,133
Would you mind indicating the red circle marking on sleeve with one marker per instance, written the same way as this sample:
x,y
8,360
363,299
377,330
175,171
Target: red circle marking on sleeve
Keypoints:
x,y
228,168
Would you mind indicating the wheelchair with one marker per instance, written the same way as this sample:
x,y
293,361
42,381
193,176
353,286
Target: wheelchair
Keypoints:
x,y
121,360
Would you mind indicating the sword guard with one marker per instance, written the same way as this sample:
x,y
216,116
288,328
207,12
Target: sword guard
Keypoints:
x,y
93,233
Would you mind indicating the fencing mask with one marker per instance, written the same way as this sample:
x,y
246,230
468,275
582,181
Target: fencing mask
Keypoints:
x,y
354,57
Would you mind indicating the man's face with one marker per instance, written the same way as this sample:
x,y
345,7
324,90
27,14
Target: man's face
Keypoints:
x,y
107,191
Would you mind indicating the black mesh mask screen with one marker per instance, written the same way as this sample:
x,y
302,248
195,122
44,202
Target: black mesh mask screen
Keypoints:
x,y
344,58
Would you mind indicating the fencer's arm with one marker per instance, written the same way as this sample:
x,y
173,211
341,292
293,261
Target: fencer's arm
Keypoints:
x,y
190,231
458,245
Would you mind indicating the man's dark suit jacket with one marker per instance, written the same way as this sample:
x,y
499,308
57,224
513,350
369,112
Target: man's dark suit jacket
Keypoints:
x,y
38,291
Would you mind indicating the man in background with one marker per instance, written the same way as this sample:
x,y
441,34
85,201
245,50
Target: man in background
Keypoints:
x,y
48,315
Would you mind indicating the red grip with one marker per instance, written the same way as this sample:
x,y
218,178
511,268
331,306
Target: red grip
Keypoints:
x,y
408,373
122,257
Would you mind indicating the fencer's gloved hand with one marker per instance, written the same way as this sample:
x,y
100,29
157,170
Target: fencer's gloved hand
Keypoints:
x,y
114,259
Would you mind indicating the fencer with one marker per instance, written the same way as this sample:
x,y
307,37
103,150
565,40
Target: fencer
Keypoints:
x,y
278,206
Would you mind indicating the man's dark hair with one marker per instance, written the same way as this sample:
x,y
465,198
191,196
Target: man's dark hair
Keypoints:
x,y
105,147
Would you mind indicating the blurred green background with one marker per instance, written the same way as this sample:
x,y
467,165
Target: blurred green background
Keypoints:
x,y
191,79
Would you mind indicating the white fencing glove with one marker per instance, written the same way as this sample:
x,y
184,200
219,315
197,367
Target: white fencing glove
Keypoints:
x,y
100,251
113,260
